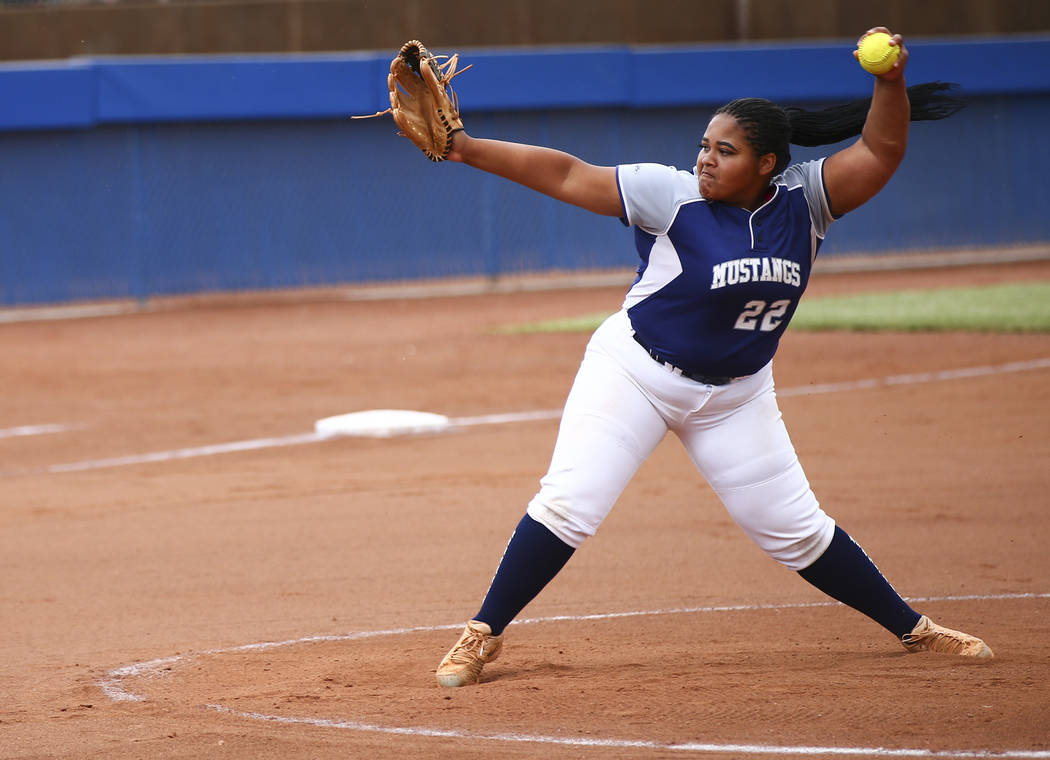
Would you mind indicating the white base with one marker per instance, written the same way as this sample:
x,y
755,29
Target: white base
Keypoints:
x,y
381,423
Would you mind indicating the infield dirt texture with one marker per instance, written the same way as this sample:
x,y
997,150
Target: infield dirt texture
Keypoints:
x,y
138,599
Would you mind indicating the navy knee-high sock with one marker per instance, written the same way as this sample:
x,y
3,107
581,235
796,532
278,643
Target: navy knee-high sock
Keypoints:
x,y
844,572
532,559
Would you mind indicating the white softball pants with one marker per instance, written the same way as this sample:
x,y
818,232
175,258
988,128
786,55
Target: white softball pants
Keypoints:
x,y
622,404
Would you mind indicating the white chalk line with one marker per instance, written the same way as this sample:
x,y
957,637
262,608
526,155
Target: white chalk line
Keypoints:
x,y
918,377
21,430
499,419
113,687
547,414
744,749
189,453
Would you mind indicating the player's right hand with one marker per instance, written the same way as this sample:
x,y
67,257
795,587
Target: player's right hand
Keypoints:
x,y
902,60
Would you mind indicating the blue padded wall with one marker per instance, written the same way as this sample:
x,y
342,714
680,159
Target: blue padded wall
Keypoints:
x,y
141,177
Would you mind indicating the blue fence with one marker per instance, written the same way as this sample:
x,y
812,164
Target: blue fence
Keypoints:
x,y
139,177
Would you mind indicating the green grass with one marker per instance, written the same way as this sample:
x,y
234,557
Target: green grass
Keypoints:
x,y
585,323
1012,307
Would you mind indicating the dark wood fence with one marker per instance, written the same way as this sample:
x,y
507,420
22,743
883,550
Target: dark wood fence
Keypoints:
x,y
35,30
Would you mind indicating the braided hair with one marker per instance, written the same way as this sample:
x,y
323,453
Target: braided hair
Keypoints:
x,y
771,129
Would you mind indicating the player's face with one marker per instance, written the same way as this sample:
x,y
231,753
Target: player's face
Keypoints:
x,y
727,166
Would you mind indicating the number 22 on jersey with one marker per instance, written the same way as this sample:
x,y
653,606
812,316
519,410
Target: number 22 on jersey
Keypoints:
x,y
756,315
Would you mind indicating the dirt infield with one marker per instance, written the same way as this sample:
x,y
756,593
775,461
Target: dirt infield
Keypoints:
x,y
291,599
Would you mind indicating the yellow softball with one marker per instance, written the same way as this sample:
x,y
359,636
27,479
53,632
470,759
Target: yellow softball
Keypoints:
x,y
876,54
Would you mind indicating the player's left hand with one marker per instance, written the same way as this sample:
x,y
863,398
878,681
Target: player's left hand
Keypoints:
x,y
422,102
902,59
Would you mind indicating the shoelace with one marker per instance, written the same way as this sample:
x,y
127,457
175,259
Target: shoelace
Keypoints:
x,y
469,649
954,641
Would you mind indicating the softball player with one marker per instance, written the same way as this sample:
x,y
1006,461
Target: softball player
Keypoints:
x,y
726,252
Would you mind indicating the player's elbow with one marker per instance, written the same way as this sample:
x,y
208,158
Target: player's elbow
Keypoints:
x,y
887,151
892,153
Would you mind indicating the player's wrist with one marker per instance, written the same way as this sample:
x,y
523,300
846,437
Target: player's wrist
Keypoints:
x,y
460,140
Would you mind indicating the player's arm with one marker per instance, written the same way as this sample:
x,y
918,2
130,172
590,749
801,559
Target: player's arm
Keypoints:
x,y
551,172
855,174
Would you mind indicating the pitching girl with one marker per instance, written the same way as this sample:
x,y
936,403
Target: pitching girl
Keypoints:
x,y
726,252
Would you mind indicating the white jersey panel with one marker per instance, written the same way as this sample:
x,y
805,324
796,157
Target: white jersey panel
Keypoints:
x,y
810,177
652,193
664,266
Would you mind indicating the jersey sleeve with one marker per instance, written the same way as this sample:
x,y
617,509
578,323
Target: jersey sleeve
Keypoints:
x,y
810,175
651,193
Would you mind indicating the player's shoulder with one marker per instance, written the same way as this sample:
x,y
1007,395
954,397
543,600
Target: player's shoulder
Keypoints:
x,y
664,185
805,180
658,174
803,175
651,193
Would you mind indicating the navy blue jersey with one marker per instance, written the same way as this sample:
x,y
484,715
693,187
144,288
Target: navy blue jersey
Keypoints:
x,y
718,284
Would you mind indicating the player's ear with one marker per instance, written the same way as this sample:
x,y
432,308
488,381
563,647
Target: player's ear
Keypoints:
x,y
767,163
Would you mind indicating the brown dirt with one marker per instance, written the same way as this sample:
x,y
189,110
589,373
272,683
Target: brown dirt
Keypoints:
x,y
186,561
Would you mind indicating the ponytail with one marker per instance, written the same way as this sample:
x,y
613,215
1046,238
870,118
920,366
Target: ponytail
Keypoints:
x,y
840,122
772,129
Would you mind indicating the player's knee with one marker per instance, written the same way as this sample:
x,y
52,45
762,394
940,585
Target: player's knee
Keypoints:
x,y
561,523
800,553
